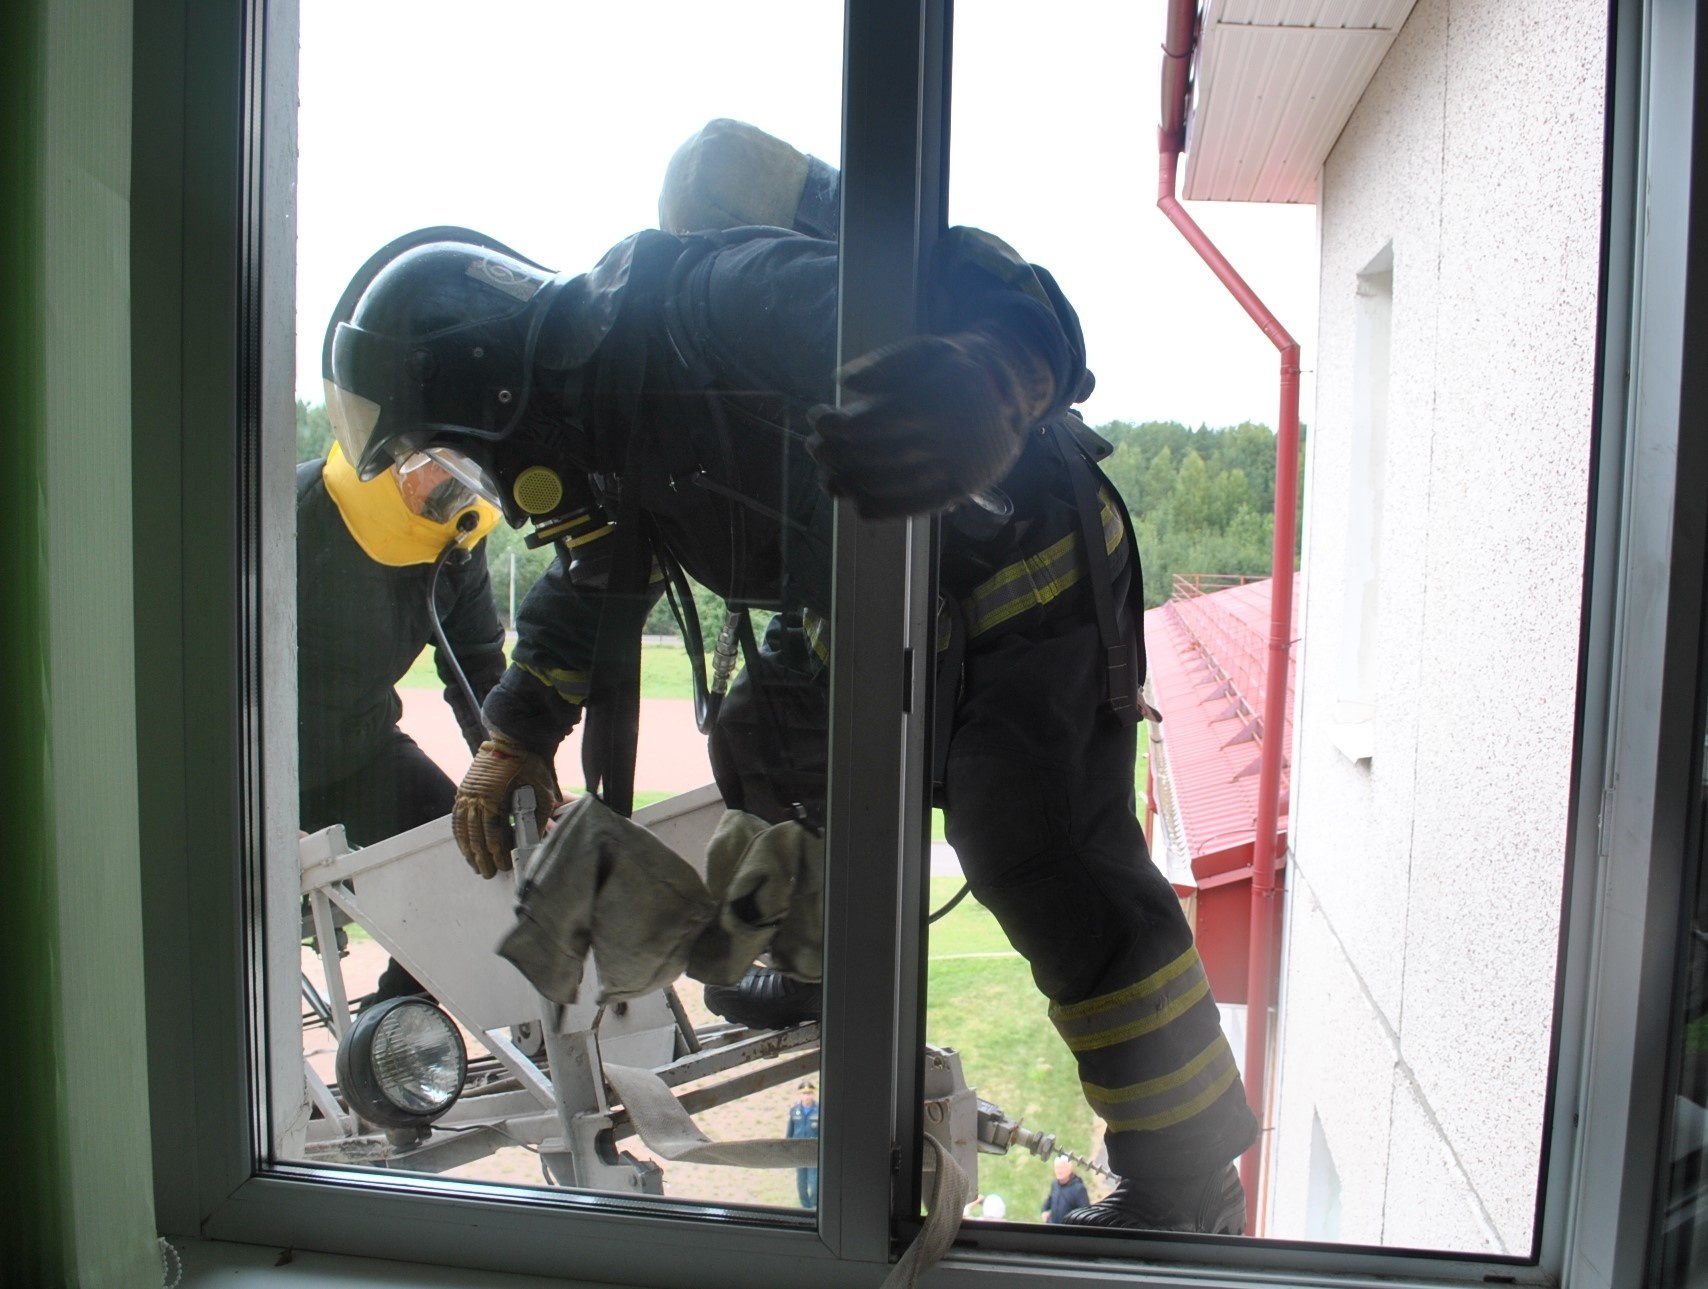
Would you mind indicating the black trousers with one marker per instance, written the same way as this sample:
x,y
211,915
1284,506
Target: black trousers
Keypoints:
x,y
1040,808
1038,796
398,788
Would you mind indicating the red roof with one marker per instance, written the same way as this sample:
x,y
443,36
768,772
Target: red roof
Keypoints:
x,y
1207,653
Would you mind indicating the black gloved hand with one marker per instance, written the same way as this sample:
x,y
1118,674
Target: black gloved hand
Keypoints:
x,y
929,420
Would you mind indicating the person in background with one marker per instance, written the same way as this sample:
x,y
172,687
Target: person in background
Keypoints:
x,y
1067,1192
369,556
803,1122
992,1208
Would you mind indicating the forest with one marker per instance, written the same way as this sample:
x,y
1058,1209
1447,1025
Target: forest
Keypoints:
x,y
1202,501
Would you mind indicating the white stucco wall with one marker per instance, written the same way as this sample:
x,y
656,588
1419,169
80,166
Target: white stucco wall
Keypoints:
x,y
1425,881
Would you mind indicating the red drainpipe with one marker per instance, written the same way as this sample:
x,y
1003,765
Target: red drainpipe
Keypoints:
x,y
1260,991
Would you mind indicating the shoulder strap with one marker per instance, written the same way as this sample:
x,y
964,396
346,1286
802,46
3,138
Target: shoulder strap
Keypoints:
x,y
613,710
612,727
1123,665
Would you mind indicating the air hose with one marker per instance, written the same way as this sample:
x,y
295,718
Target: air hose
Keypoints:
x,y
465,525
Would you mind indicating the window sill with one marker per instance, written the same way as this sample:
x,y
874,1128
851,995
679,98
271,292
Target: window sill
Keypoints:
x,y
222,1263
1355,740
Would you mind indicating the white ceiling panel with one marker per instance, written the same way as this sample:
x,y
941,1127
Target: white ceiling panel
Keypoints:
x,y
1311,13
1274,83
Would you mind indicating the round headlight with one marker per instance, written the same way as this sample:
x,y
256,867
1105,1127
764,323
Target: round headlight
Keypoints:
x,y
402,1064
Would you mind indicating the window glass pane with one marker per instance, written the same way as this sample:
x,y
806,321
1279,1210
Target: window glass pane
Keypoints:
x,y
548,419
1680,1216
1434,251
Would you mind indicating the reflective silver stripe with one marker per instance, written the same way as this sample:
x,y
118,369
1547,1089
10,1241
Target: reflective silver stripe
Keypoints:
x,y
1172,1098
1142,1008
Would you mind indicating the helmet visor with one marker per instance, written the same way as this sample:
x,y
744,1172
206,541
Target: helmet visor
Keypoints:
x,y
431,491
354,419
468,472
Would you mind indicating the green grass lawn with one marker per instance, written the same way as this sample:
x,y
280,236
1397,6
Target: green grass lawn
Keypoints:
x,y
980,1001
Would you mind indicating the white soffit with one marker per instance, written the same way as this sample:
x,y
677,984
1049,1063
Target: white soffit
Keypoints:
x,y
1274,83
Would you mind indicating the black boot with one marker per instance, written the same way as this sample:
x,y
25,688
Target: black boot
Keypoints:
x,y
765,998
1214,1205
394,982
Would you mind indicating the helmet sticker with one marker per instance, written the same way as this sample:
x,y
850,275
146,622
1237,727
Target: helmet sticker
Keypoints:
x,y
495,273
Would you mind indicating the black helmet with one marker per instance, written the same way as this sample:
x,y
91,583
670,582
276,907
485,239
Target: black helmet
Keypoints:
x,y
431,351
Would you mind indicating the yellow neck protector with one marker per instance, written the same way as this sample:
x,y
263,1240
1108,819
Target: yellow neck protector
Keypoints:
x,y
382,523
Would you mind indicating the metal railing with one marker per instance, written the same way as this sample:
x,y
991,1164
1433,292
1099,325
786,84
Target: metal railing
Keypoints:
x,y
1233,649
1190,585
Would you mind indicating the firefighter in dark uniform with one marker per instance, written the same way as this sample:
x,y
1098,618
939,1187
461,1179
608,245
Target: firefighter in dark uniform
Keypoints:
x,y
368,555
668,412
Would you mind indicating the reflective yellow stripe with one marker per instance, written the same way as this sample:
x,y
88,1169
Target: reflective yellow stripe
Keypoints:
x,y
1112,525
1176,1114
578,520
817,632
571,686
1036,580
1167,1082
1147,1024
1108,1002
1140,1008
601,531
1170,1099
1025,584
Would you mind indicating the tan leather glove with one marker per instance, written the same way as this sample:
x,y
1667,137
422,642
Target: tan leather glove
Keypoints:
x,y
929,420
480,816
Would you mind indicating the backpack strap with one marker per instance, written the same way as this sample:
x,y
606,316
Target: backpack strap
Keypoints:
x,y
613,709
1123,666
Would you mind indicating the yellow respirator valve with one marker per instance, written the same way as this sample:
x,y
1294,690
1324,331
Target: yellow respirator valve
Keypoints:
x,y
538,490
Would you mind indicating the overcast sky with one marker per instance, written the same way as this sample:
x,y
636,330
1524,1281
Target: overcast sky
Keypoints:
x,y
547,124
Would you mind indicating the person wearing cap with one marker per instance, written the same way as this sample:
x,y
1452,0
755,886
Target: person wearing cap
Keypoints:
x,y
803,1122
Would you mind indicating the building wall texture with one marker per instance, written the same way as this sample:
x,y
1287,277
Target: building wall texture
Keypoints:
x,y
1425,883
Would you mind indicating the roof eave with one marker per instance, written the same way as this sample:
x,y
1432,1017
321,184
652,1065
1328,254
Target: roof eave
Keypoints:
x,y
1274,83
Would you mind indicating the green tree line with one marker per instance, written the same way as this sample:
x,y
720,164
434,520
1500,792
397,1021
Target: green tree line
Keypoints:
x,y
1202,501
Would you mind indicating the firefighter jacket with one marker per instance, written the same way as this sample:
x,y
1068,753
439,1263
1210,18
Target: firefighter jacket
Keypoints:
x,y
691,410
361,623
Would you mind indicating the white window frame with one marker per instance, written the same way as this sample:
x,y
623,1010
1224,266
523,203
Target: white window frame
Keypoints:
x,y
213,143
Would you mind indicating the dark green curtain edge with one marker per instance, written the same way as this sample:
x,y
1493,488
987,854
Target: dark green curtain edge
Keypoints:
x,y
32,1132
